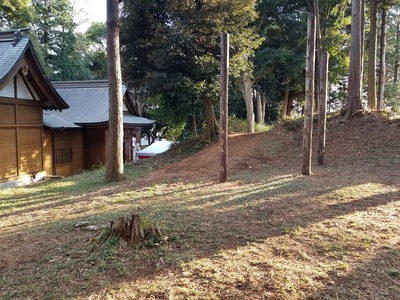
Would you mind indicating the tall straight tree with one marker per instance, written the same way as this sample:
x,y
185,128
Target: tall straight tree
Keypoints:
x,y
372,56
382,61
42,33
115,166
318,48
54,37
356,59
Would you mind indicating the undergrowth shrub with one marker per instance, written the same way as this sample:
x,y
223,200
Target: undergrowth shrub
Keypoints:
x,y
236,125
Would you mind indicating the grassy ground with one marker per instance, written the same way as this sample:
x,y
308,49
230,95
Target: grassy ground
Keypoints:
x,y
268,233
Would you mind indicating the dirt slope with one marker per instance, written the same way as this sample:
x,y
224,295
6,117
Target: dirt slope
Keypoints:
x,y
348,145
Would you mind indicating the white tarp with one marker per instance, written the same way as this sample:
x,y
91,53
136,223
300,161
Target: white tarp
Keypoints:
x,y
156,148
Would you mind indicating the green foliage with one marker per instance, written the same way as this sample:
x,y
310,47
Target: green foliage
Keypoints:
x,y
170,49
294,125
14,13
94,51
64,54
236,125
151,230
392,96
53,26
392,52
96,35
280,61
336,40
393,273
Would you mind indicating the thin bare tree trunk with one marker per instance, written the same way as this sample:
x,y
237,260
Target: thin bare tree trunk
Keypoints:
x,y
362,49
318,48
264,106
248,98
223,121
194,124
211,130
397,52
382,63
285,104
309,97
372,57
323,95
115,166
259,116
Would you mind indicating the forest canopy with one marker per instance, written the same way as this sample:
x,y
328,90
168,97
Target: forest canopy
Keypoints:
x,y
171,54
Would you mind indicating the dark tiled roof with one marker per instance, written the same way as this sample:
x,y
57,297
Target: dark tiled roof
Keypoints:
x,y
137,121
52,121
88,104
10,52
14,46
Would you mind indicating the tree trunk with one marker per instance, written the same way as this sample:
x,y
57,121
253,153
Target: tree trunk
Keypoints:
x,y
211,130
318,49
285,104
323,95
264,106
382,63
309,98
372,57
260,115
397,52
248,98
223,109
115,166
355,72
138,95
194,124
362,48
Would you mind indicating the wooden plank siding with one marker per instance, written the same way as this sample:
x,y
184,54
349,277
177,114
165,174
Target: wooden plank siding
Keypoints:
x,y
8,154
78,151
21,128
48,157
56,140
95,144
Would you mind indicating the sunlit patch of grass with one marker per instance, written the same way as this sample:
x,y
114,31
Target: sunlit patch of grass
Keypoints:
x,y
260,237
237,125
361,191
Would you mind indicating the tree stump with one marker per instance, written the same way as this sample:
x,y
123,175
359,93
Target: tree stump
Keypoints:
x,y
129,228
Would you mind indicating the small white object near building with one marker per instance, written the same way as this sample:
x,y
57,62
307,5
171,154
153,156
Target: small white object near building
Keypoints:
x,y
156,148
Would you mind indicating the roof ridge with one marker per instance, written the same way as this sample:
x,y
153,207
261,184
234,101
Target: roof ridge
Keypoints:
x,y
80,84
12,35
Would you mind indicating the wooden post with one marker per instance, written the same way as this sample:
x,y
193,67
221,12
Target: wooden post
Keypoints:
x,y
223,121
318,51
323,95
309,97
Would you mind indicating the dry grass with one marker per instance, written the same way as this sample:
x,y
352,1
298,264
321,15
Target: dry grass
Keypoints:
x,y
268,233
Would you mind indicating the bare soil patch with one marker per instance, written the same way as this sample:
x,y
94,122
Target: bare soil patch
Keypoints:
x,y
268,233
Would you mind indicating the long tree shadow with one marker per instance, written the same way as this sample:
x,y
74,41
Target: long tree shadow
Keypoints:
x,y
201,225
384,269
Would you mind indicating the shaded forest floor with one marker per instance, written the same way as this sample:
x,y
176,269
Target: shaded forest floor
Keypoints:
x,y
268,233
